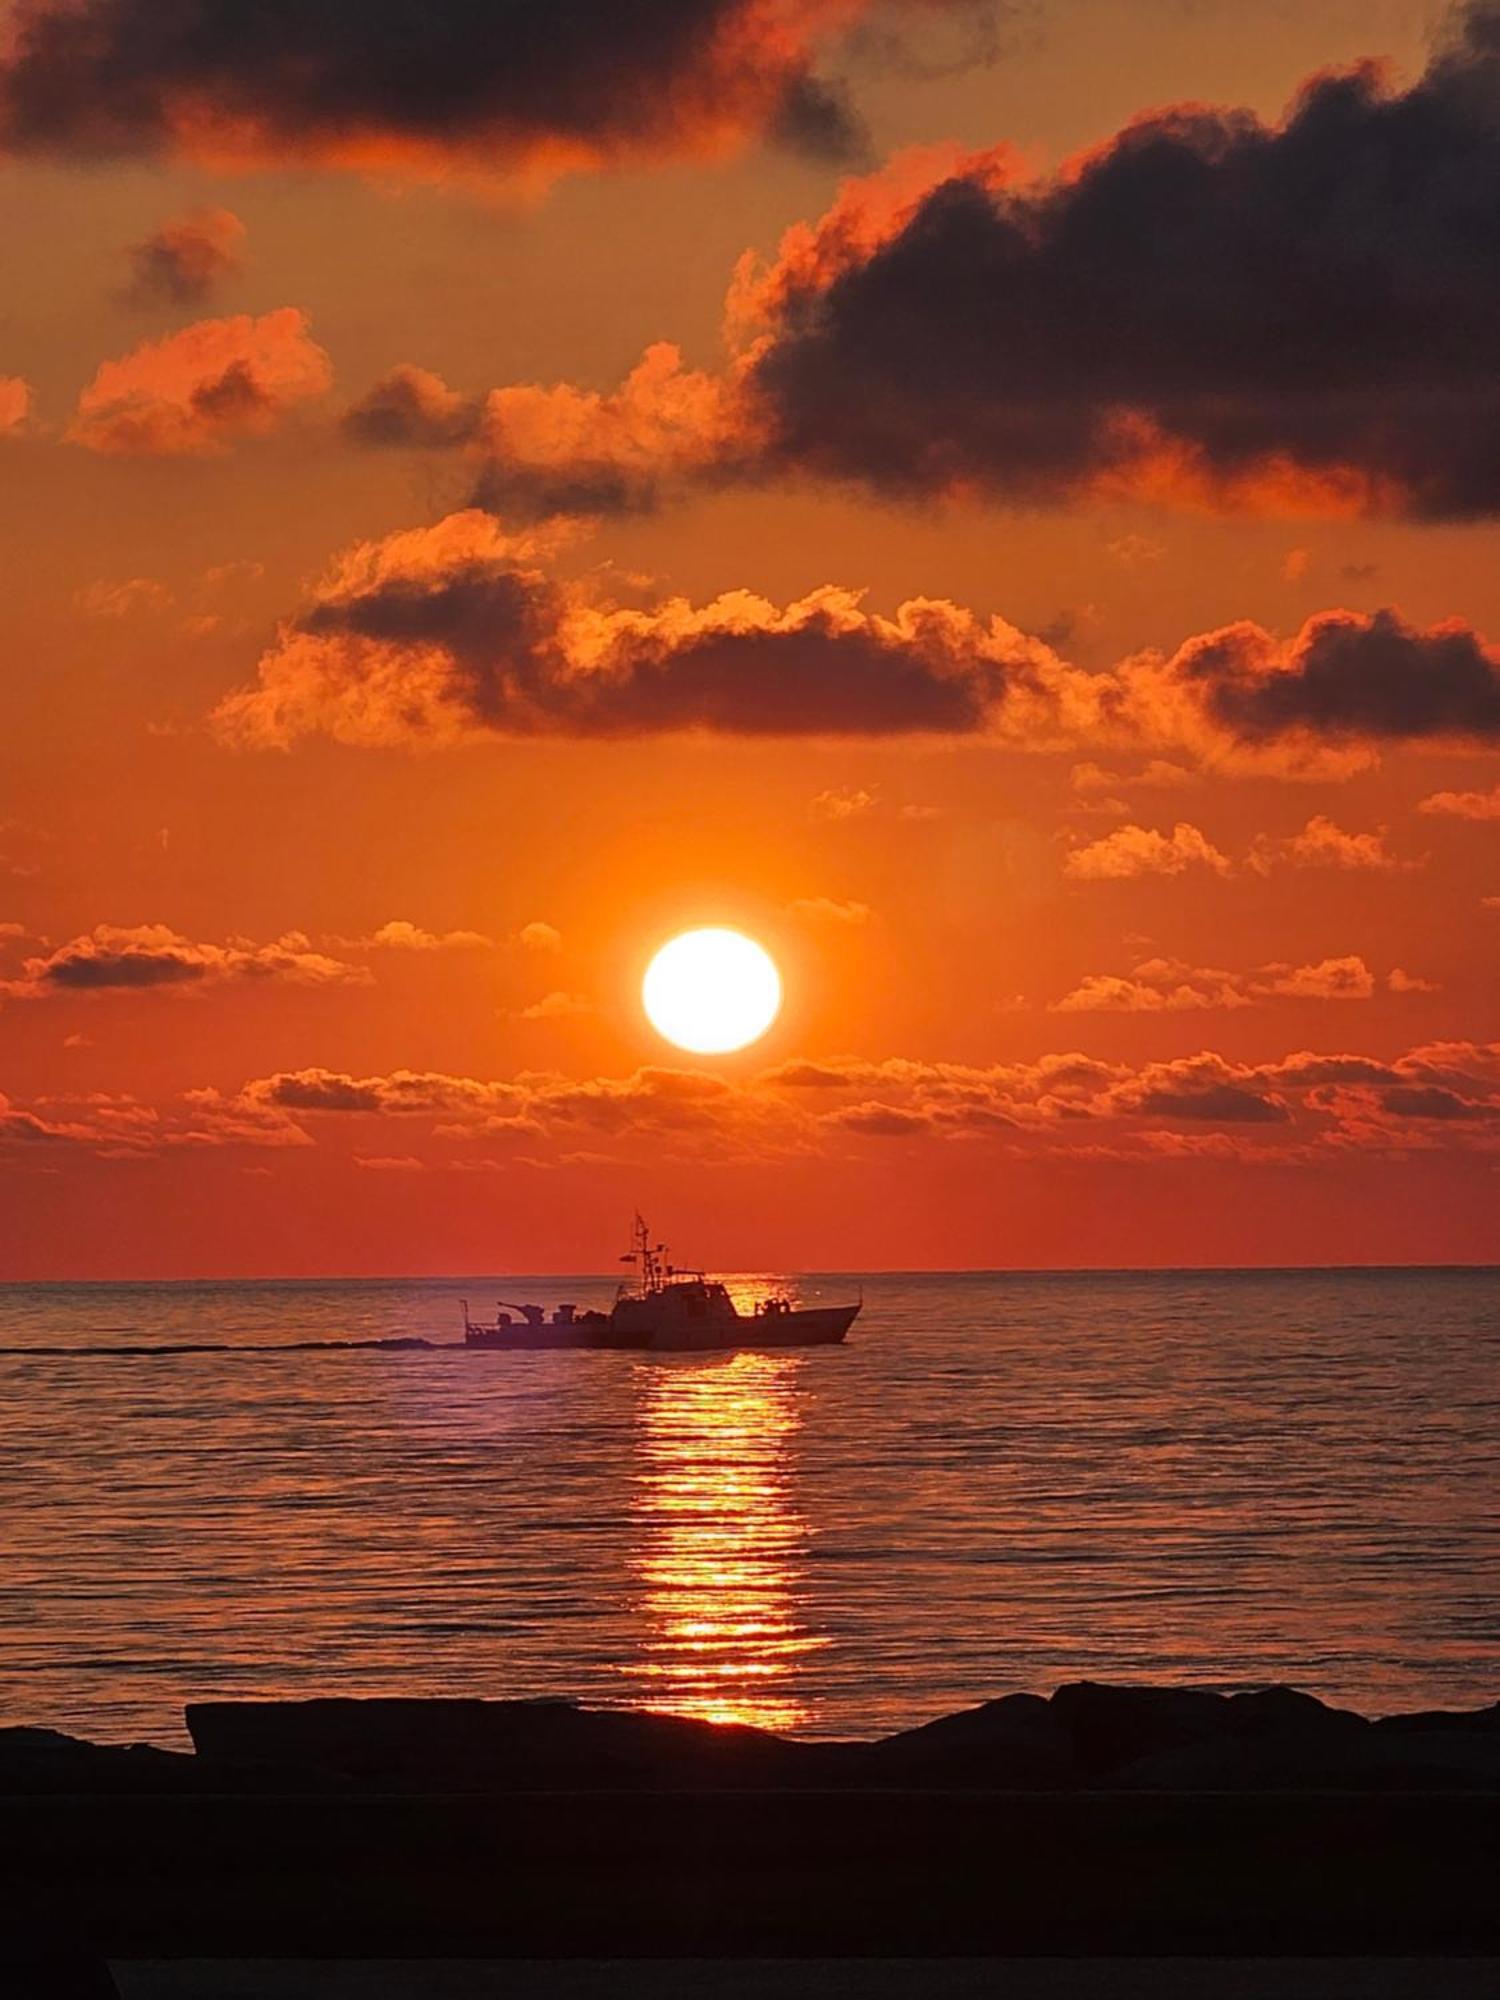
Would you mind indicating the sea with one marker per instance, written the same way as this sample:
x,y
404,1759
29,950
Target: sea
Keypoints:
x,y
1003,1481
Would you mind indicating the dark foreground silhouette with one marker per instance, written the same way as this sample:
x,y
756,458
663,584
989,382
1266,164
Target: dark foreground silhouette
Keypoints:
x,y
1126,1820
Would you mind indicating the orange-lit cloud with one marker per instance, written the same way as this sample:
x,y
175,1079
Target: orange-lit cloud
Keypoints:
x,y
1289,1109
1300,323
430,88
1170,986
543,450
15,404
829,910
401,935
436,634
185,260
1464,805
1322,844
153,957
200,390
1280,338
1140,850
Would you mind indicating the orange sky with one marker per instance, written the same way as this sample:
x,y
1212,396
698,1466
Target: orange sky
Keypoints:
x,y
1070,940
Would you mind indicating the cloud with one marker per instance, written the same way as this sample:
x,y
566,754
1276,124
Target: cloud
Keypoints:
x,y
123,599
850,803
464,628
1409,982
1300,315
144,957
198,391
1171,986
412,408
826,910
1348,674
430,88
1300,322
399,935
1138,850
557,1006
1464,805
542,450
15,405
1330,979
538,936
1321,844
446,632
185,260
1066,1105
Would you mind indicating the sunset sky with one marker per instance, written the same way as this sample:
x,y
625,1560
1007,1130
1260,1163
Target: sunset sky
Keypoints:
x,y
996,502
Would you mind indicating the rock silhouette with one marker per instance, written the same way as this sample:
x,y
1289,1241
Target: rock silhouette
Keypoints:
x,y
1084,1737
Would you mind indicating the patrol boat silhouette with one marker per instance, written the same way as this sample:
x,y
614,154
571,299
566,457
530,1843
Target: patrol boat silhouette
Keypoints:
x,y
665,1309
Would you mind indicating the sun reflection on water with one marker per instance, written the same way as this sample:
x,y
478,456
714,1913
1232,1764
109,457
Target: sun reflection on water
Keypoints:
x,y
721,1555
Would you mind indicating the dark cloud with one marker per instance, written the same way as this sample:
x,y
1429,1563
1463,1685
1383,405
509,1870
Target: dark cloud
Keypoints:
x,y
1347,674
1205,307
1432,1101
1212,1103
411,407
184,261
115,958
487,86
454,631
458,629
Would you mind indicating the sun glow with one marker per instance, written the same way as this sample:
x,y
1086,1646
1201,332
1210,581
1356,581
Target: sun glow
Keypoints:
x,y
710,991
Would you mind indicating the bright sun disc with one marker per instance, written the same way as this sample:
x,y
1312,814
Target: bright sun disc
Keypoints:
x,y
711,991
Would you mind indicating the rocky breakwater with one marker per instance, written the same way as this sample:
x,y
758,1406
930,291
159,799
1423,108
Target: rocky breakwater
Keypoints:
x,y
1100,1819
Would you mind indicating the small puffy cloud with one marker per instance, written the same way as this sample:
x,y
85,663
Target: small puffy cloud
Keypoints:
x,y
1171,986
196,392
1409,982
1330,979
537,936
186,260
1322,844
851,802
827,910
1156,986
557,1006
1464,805
143,957
411,408
539,450
15,405
1138,850
400,935
564,450
123,599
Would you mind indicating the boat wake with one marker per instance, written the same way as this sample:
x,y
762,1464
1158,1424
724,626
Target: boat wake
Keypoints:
x,y
395,1343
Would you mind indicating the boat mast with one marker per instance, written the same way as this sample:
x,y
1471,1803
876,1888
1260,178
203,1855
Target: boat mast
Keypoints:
x,y
647,1256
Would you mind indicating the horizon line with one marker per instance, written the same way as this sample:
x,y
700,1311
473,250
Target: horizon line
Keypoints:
x,y
1476,1267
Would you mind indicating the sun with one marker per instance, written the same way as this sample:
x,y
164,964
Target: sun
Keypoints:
x,y
710,991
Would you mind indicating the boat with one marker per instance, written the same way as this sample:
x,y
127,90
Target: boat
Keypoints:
x,y
665,1310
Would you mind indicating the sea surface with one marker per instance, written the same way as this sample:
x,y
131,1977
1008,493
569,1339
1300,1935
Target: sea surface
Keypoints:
x,y
1002,1482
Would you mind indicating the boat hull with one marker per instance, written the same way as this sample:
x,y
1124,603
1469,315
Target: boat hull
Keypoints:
x,y
814,1326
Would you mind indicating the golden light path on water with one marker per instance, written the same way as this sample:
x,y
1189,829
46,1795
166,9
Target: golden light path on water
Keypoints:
x,y
723,1546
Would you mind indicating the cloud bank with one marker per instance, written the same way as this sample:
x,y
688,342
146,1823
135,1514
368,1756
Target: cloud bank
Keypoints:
x,y
433,88
151,957
1204,311
464,630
